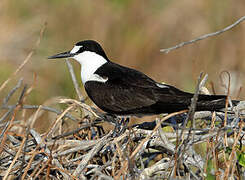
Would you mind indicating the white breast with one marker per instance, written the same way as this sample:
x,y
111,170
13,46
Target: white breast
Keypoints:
x,y
90,62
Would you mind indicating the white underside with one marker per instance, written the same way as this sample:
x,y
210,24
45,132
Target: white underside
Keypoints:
x,y
90,62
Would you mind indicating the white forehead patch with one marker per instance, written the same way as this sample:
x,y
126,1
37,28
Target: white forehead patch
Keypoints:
x,y
75,49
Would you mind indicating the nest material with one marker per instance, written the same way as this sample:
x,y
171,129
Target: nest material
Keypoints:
x,y
86,151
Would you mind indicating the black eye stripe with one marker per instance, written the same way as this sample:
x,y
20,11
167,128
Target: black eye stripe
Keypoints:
x,y
81,49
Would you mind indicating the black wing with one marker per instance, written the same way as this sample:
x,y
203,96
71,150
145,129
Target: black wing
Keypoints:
x,y
128,91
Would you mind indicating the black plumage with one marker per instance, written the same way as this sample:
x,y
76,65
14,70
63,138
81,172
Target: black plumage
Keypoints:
x,y
128,92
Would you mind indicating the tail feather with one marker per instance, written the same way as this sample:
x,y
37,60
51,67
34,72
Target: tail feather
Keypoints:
x,y
172,99
212,102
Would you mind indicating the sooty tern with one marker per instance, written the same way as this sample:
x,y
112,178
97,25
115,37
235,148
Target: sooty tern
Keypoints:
x,y
121,90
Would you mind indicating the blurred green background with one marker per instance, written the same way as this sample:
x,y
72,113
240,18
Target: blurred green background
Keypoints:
x,y
132,34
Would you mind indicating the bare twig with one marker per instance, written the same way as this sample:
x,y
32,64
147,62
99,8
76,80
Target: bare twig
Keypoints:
x,y
167,50
7,113
147,172
6,99
63,172
53,126
226,104
74,80
75,147
22,95
181,148
4,129
192,108
24,150
15,158
16,109
203,81
34,117
36,136
46,108
83,105
74,131
137,149
233,152
90,154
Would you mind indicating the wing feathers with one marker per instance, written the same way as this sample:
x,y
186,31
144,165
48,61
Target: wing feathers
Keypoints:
x,y
128,91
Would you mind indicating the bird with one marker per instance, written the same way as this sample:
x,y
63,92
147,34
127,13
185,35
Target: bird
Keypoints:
x,y
124,91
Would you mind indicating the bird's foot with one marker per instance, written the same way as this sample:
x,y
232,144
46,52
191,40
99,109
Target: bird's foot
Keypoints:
x,y
120,126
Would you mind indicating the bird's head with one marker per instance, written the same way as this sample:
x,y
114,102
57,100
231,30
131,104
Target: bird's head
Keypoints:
x,y
83,52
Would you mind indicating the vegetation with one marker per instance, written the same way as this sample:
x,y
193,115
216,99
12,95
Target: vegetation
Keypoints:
x,y
45,135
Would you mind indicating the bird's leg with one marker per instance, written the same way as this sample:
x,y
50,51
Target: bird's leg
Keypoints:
x,y
117,127
124,123
120,126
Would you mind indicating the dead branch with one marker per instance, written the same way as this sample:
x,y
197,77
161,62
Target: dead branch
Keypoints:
x,y
167,50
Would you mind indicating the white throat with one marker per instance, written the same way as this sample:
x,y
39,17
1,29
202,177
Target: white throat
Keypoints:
x,y
90,62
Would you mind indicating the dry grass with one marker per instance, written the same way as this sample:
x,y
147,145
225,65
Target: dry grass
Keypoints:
x,y
76,146
87,151
69,141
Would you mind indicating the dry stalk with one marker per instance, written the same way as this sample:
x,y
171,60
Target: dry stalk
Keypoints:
x,y
28,91
74,80
167,50
230,160
154,130
80,104
41,169
26,59
34,118
210,141
34,153
53,126
8,128
15,158
226,102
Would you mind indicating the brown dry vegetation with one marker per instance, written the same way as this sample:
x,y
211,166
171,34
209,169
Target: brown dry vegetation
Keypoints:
x,y
132,33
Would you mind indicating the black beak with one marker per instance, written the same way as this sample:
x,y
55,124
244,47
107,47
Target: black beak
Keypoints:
x,y
62,55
